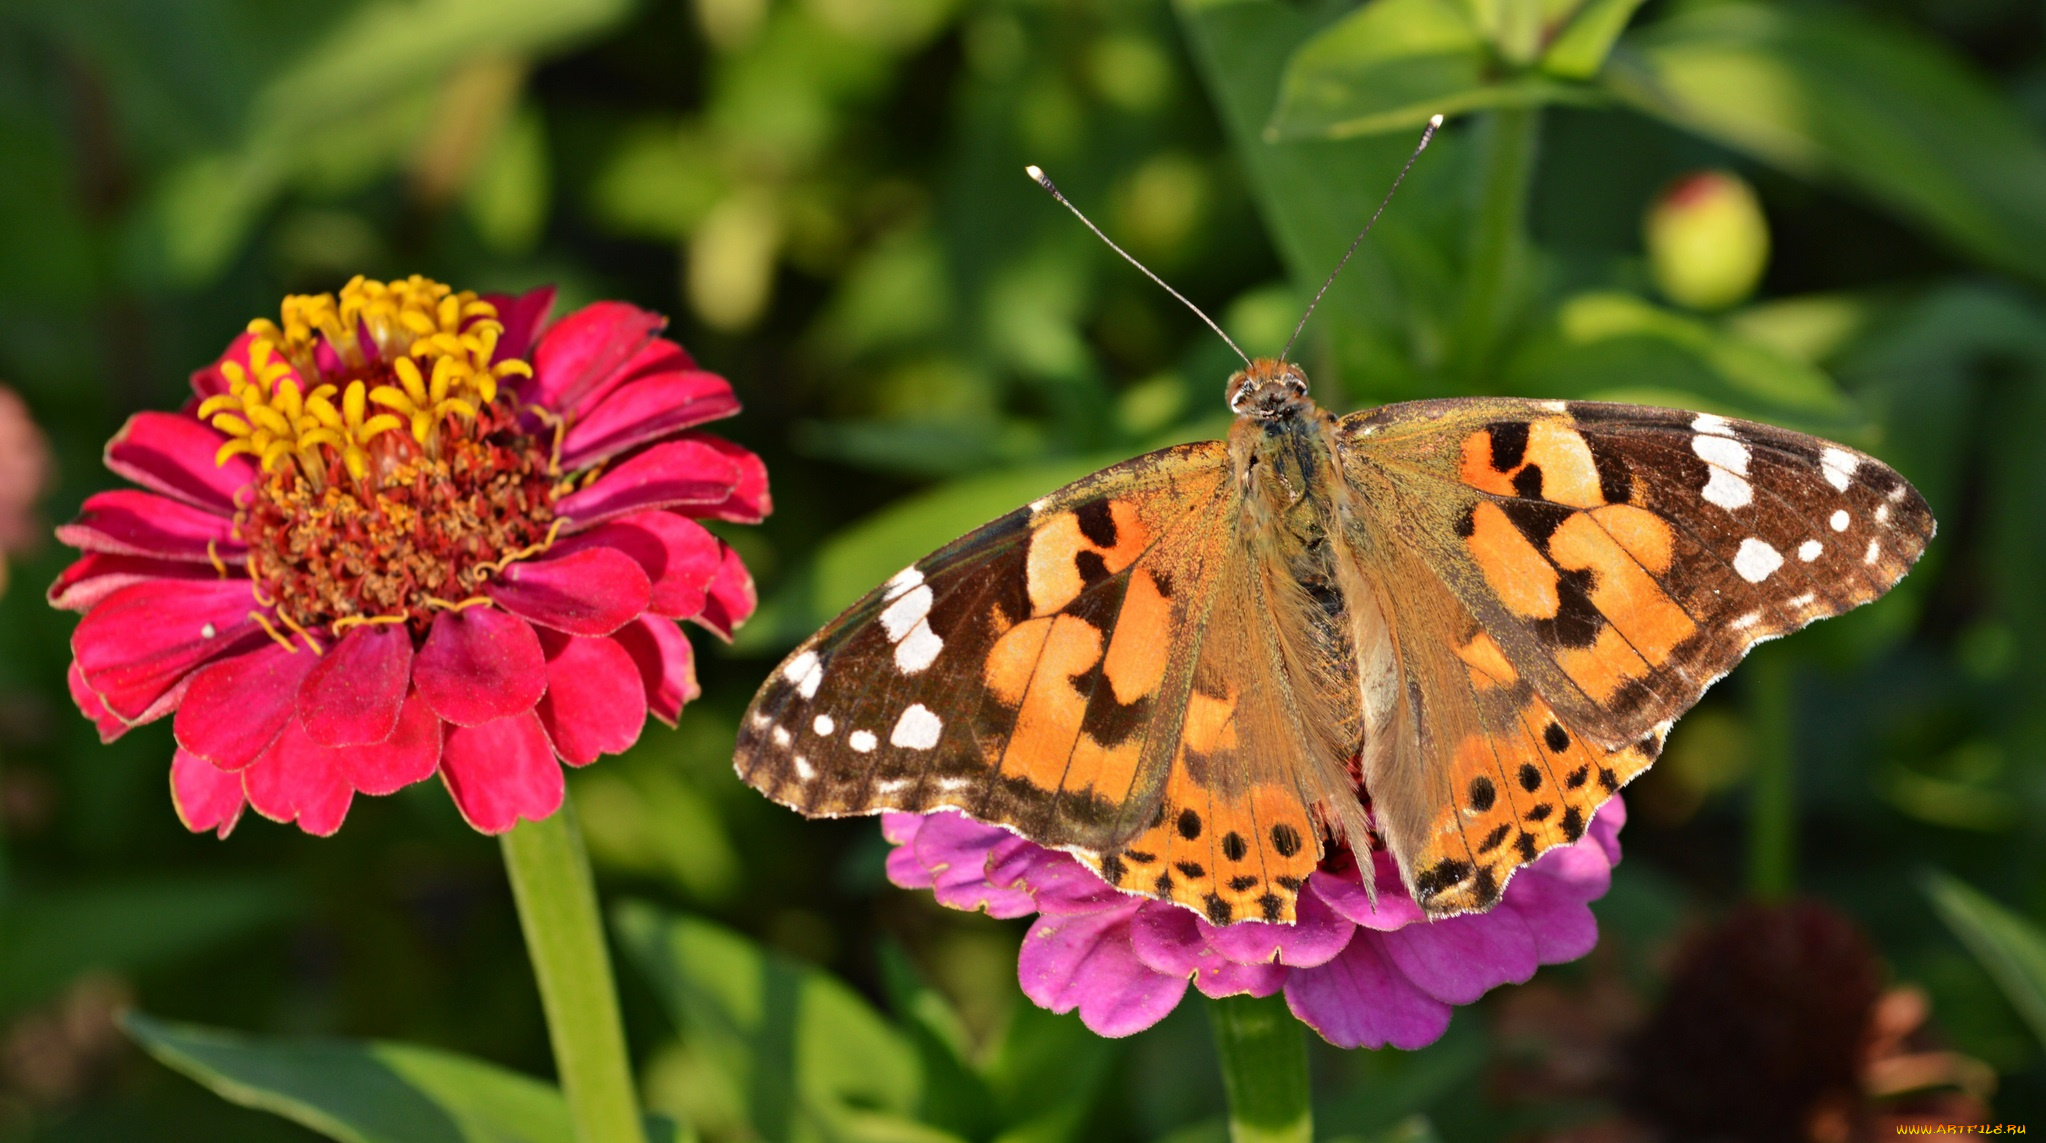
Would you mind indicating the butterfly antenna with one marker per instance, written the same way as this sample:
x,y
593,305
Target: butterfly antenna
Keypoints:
x,y
1038,174
1433,123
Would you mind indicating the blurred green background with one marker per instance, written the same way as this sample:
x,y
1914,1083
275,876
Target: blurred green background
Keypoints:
x,y
827,197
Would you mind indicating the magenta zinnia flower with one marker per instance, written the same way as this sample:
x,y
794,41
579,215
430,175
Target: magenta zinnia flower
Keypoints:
x,y
409,533
1363,977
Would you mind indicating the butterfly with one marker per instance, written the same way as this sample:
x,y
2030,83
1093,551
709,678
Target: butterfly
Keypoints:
x,y
1453,628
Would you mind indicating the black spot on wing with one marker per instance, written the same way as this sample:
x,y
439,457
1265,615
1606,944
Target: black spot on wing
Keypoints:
x,y
1528,482
1285,839
1233,846
1189,825
1536,519
1092,568
1096,523
1530,777
1557,739
1577,621
1509,444
1482,793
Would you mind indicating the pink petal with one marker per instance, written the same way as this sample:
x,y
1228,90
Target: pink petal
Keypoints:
x,y
173,454
1358,1000
901,828
97,575
588,349
1086,962
1057,882
1460,959
1315,937
500,772
143,640
640,411
522,316
480,664
210,381
352,697
595,702
1605,827
299,780
591,592
667,666
205,796
411,754
1227,978
677,554
1553,897
130,523
236,707
92,708
673,473
748,502
730,599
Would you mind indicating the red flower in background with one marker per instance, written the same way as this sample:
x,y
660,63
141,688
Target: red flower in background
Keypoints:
x,y
408,532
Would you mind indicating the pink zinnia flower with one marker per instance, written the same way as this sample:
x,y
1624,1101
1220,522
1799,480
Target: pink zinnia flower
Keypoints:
x,y
1363,977
410,532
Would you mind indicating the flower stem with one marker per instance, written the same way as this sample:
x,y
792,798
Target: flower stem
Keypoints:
x,y
1772,826
557,900
1264,1069
1492,278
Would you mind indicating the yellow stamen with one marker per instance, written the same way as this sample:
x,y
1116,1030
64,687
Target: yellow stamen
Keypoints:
x,y
439,604
282,640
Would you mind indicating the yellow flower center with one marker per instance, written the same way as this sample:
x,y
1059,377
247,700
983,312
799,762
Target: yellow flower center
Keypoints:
x,y
341,373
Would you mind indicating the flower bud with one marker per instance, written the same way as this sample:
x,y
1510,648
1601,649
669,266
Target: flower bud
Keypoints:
x,y
1707,239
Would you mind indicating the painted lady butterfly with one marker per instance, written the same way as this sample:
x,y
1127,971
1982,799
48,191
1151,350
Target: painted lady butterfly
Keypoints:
x,y
1484,613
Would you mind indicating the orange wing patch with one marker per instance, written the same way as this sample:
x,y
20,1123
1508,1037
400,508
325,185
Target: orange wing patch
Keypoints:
x,y
1069,550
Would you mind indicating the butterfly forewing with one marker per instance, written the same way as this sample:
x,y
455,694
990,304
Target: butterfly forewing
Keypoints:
x,y
1013,674
1611,562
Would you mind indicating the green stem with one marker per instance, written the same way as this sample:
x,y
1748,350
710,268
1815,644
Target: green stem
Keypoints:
x,y
1264,1069
557,899
1492,281
1772,828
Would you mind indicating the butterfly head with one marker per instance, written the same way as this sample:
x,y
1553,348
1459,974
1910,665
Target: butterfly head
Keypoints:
x,y
1269,390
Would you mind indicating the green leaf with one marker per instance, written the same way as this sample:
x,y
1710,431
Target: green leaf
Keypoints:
x,y
1393,63
47,938
815,1061
363,1091
1581,48
1618,347
2011,947
1827,93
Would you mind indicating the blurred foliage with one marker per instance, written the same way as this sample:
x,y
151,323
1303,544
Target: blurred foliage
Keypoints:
x,y
828,197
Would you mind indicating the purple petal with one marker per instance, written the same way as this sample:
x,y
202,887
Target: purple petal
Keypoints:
x,y
1605,826
1344,893
1359,1000
1315,937
1059,884
1460,959
1227,978
522,316
954,850
1086,962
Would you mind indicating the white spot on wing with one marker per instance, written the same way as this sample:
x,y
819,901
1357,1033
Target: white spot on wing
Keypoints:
x,y
1554,406
1896,495
1875,551
1756,560
1712,423
1723,451
1801,600
903,580
1809,550
950,784
824,726
804,771
1727,490
1746,621
917,729
906,612
806,671
1839,466
918,649
782,737
1839,520
893,785
863,741
1882,514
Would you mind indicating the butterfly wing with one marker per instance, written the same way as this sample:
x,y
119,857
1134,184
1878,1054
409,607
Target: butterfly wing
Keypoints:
x,y
1607,563
1097,672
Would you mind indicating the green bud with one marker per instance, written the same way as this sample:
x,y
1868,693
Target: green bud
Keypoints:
x,y
1708,242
